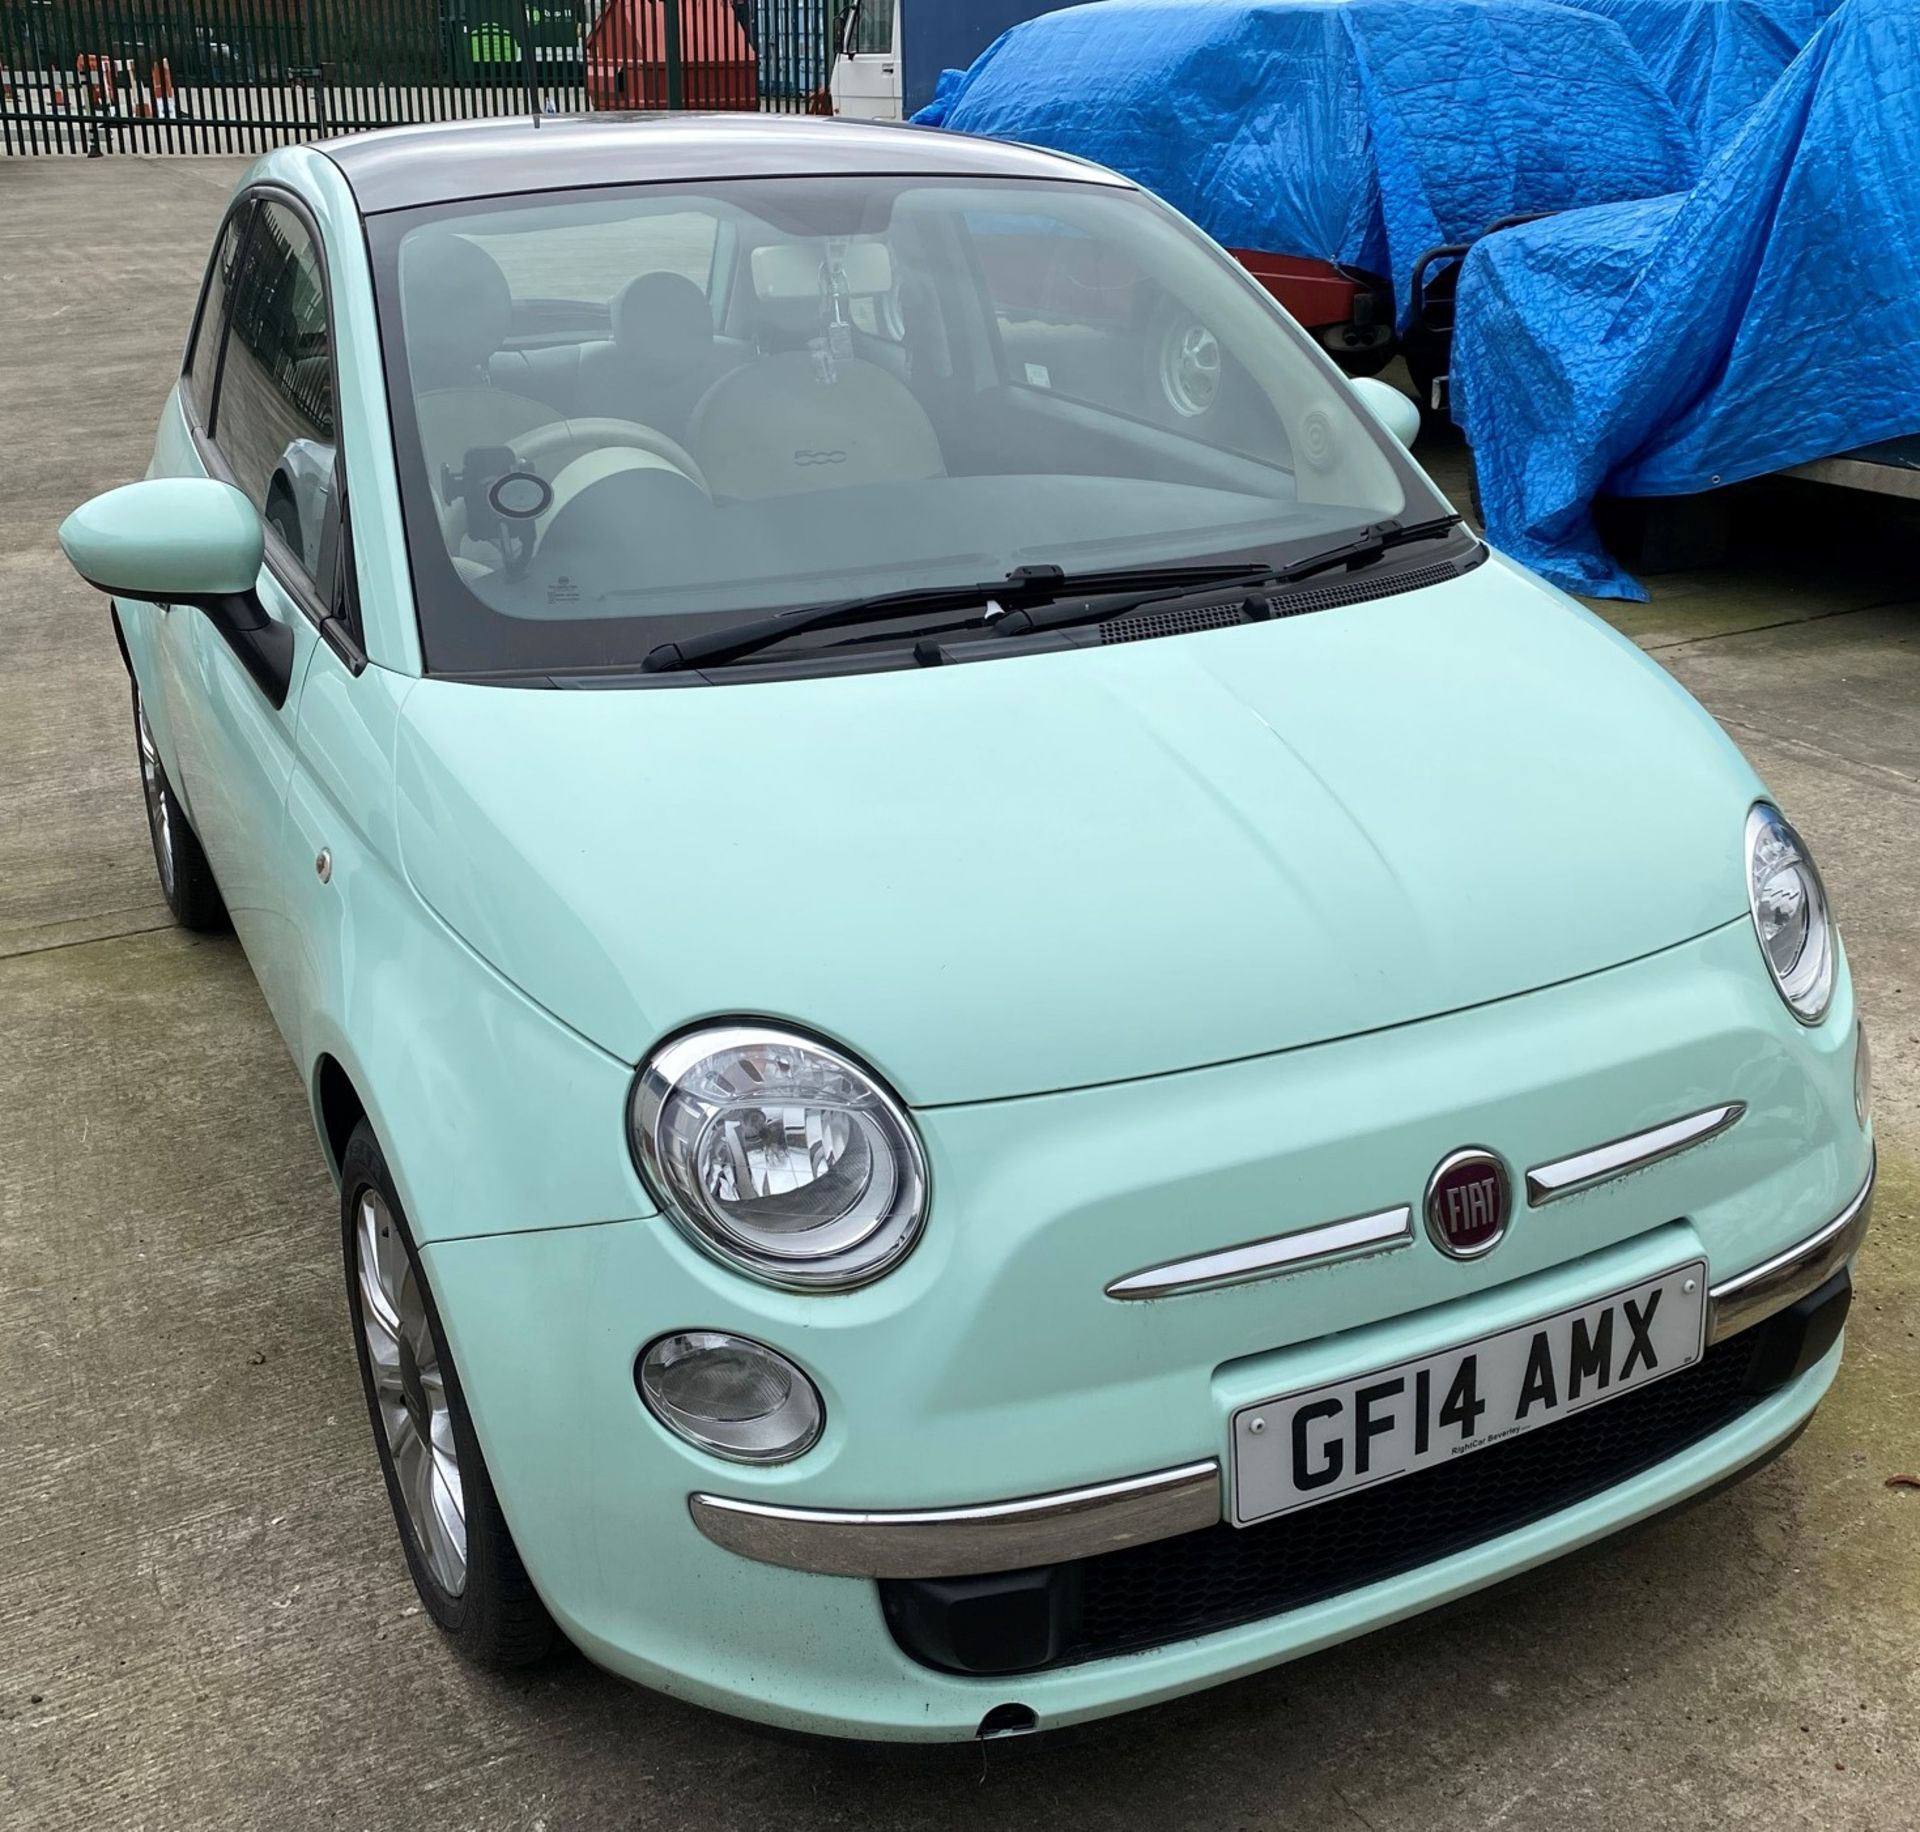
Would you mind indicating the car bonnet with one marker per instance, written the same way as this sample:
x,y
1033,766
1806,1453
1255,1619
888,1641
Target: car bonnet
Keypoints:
x,y
1084,866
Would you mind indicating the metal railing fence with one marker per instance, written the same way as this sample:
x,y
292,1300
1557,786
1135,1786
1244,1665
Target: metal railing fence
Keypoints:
x,y
236,76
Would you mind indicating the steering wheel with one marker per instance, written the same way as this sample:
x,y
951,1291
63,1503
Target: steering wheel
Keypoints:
x,y
600,433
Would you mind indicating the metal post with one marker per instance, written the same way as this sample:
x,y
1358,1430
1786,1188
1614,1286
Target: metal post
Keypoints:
x,y
528,71
94,73
676,75
311,8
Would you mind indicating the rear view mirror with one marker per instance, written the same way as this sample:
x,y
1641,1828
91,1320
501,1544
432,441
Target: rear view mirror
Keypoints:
x,y
1398,413
793,270
168,540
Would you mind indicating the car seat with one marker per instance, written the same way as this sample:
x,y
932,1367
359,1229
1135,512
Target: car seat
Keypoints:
x,y
664,355
457,310
803,420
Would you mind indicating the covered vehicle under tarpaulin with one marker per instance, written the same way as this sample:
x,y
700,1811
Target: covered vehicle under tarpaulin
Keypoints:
x,y
1716,59
1765,318
1359,133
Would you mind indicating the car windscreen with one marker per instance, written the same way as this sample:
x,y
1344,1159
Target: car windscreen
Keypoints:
x,y
626,416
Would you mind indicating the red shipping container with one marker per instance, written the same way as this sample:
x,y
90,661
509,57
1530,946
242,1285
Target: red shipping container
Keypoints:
x,y
627,57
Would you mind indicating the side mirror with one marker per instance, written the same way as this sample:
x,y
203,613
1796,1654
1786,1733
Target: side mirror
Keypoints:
x,y
169,540
1398,413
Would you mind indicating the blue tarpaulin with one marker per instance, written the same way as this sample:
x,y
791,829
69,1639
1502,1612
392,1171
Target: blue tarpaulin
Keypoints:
x,y
1768,316
1716,59
1363,133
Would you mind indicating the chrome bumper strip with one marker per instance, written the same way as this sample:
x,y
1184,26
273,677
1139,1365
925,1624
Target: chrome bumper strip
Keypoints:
x,y
1752,1297
1568,1176
1260,1259
1082,1522
952,1542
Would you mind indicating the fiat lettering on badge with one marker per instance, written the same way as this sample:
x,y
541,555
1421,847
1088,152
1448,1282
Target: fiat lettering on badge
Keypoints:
x,y
1293,1451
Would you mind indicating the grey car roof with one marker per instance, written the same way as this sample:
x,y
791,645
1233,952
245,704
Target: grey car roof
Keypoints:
x,y
399,168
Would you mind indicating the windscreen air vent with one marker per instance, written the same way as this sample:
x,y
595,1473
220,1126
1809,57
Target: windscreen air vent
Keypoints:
x,y
1357,591
1188,618
1174,623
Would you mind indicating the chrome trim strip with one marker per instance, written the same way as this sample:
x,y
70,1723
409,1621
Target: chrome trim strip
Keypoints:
x,y
1568,1176
1260,1259
953,1542
1078,1523
1755,1295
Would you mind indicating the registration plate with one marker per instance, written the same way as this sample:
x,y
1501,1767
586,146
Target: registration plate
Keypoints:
x,y
1310,1446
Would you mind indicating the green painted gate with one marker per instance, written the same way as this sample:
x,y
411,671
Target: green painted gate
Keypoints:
x,y
234,76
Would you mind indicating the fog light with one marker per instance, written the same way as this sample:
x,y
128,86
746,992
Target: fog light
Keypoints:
x,y
1862,1077
731,1396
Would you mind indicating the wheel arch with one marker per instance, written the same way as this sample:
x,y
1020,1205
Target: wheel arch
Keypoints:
x,y
120,639
490,1115
337,1108
493,1116
136,634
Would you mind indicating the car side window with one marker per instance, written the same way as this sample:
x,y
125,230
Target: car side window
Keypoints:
x,y
873,31
203,365
276,423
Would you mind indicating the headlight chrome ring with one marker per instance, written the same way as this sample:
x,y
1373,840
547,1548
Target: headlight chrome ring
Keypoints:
x,y
1790,914
780,1156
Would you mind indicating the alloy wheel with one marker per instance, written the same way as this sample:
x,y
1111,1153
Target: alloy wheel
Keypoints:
x,y
411,1390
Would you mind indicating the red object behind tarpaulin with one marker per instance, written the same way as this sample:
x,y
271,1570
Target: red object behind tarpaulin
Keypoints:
x,y
1315,292
627,57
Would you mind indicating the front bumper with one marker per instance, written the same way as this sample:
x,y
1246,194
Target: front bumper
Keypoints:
x,y
1068,1524
996,1362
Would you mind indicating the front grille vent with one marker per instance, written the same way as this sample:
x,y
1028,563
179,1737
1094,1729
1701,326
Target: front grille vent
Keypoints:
x,y
1325,597
1189,618
1174,623
1217,1577
1202,1582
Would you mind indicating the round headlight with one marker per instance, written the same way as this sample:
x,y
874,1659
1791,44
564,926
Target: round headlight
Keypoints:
x,y
1789,914
730,1395
780,1156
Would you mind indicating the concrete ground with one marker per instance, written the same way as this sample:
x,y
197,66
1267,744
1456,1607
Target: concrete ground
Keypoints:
x,y
204,1620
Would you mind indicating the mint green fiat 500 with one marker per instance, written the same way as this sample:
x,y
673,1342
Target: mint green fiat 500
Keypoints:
x,y
1004,1032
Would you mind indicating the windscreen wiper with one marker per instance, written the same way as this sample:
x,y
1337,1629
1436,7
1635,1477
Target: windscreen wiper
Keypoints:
x,y
1024,585
1377,541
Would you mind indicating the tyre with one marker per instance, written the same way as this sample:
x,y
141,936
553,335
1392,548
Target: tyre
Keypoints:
x,y
186,879
456,1541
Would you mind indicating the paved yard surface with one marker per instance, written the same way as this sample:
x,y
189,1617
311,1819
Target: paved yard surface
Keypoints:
x,y
203,1618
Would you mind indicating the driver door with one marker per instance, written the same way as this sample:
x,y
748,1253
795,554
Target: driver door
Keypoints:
x,y
866,73
266,424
